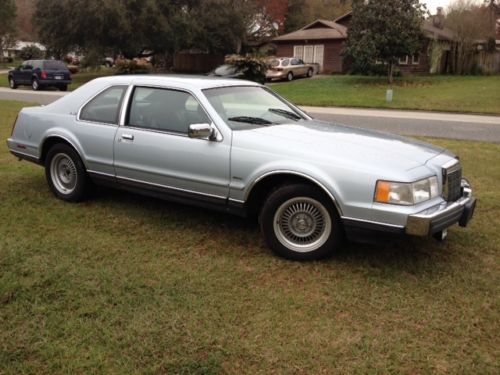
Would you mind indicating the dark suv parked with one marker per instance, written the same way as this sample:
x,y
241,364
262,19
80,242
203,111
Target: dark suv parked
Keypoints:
x,y
41,73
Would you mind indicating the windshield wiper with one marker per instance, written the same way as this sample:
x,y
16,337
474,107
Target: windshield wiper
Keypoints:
x,y
250,120
285,113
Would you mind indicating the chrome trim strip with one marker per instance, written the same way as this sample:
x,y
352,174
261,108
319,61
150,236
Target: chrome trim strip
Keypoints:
x,y
372,222
300,174
171,175
24,154
171,188
100,173
125,105
450,163
236,200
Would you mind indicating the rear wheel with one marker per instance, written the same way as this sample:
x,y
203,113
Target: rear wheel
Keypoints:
x,y
35,85
63,87
289,76
65,173
300,223
310,73
12,83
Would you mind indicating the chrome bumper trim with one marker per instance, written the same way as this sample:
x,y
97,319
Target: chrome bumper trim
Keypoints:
x,y
442,216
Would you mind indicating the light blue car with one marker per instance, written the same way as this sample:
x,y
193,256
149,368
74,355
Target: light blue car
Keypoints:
x,y
236,146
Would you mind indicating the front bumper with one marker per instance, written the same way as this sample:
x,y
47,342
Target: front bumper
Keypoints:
x,y
444,215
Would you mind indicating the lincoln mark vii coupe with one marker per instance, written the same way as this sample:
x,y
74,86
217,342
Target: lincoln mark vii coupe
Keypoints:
x,y
238,147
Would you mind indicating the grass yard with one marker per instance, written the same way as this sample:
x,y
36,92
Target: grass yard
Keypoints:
x,y
126,284
8,65
474,94
77,79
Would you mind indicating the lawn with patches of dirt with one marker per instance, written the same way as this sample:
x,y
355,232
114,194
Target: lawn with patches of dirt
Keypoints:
x,y
127,284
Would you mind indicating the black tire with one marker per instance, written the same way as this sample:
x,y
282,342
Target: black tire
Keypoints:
x,y
35,84
289,76
66,174
12,83
63,87
310,73
299,222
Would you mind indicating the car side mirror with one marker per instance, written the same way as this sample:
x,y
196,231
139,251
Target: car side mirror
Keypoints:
x,y
202,131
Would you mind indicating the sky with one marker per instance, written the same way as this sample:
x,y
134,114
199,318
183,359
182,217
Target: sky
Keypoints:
x,y
433,4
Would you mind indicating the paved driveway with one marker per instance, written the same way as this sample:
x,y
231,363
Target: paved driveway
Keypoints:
x,y
432,124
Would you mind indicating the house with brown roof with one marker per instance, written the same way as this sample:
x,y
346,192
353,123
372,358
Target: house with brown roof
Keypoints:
x,y
319,42
323,41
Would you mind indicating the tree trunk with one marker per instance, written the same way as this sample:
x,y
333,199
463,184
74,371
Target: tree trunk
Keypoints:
x,y
391,73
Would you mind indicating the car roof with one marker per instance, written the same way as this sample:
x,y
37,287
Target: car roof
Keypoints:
x,y
180,81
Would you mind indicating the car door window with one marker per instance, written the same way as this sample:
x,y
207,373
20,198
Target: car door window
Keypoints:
x,y
165,110
295,62
105,107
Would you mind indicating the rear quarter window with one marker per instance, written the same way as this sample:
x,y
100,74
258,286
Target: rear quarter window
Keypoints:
x,y
105,107
54,65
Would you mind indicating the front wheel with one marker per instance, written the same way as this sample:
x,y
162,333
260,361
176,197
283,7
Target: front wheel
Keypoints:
x,y
65,173
289,76
310,73
300,223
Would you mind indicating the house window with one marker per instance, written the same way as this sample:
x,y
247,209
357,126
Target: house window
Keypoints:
x,y
403,60
415,59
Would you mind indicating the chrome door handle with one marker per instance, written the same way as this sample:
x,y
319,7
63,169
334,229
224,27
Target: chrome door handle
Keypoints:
x,y
128,137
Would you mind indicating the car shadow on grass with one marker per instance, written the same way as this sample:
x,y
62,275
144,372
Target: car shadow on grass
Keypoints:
x,y
241,237
397,253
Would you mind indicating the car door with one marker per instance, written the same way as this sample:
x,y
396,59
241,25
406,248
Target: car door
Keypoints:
x,y
95,128
25,72
153,150
298,68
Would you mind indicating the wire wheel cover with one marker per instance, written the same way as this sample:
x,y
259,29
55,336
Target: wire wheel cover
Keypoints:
x,y
302,224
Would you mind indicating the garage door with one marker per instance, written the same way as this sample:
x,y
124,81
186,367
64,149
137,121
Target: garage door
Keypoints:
x,y
310,54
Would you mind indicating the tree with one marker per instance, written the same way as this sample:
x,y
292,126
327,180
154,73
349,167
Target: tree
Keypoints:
x,y
31,52
303,12
129,26
471,23
7,23
385,30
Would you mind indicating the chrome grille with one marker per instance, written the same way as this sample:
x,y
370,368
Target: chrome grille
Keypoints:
x,y
452,178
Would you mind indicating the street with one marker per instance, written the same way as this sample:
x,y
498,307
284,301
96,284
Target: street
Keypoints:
x,y
416,123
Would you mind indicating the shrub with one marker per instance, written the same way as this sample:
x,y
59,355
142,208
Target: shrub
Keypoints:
x,y
92,59
132,67
254,68
31,52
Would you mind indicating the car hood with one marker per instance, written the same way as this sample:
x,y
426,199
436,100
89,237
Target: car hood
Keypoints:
x,y
327,141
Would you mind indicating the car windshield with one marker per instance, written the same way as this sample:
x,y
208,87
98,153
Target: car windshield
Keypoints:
x,y
241,106
53,64
226,70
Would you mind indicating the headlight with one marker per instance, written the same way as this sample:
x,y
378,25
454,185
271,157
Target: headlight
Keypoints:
x,y
406,194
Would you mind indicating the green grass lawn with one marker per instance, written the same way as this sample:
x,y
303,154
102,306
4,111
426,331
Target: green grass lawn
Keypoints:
x,y
77,79
126,284
8,65
477,94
